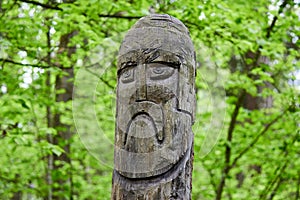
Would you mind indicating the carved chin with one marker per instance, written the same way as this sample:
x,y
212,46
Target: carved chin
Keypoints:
x,y
142,135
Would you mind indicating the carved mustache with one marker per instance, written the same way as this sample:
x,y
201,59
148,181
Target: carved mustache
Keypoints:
x,y
155,93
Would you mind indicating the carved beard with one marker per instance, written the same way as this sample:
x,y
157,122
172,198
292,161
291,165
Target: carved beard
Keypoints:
x,y
154,142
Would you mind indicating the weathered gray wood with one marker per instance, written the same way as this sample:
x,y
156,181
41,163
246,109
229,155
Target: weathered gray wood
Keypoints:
x,y
155,111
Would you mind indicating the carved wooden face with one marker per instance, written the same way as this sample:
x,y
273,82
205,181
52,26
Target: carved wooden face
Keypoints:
x,y
150,131
155,99
145,90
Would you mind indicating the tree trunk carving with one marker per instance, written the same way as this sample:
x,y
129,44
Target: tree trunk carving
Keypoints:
x,y
155,111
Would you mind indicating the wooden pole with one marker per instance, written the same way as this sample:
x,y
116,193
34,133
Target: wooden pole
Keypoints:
x,y
155,111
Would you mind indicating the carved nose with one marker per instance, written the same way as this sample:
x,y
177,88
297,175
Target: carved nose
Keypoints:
x,y
141,87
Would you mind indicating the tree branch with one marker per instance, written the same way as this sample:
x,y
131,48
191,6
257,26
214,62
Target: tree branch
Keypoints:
x,y
42,5
278,171
254,141
275,18
272,182
231,128
47,6
22,64
277,184
229,166
119,16
270,29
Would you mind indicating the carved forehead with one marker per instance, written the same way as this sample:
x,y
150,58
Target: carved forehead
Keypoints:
x,y
156,36
157,55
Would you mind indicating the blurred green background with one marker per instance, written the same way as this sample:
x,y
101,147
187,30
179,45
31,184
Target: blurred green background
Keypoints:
x,y
57,96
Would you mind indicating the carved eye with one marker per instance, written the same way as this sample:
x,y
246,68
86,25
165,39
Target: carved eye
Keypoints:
x,y
160,71
127,75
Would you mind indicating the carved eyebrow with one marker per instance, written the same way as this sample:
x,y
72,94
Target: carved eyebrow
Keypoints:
x,y
167,58
170,64
128,64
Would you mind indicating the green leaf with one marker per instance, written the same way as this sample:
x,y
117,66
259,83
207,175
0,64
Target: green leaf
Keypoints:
x,y
23,103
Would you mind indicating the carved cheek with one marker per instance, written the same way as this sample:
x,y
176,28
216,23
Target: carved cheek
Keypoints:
x,y
122,110
126,88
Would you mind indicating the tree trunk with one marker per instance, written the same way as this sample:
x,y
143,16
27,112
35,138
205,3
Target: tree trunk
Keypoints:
x,y
64,82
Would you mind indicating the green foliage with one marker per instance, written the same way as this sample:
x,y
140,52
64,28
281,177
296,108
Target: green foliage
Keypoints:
x,y
247,89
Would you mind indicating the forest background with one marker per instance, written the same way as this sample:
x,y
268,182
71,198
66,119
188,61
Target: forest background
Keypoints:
x,y
57,96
